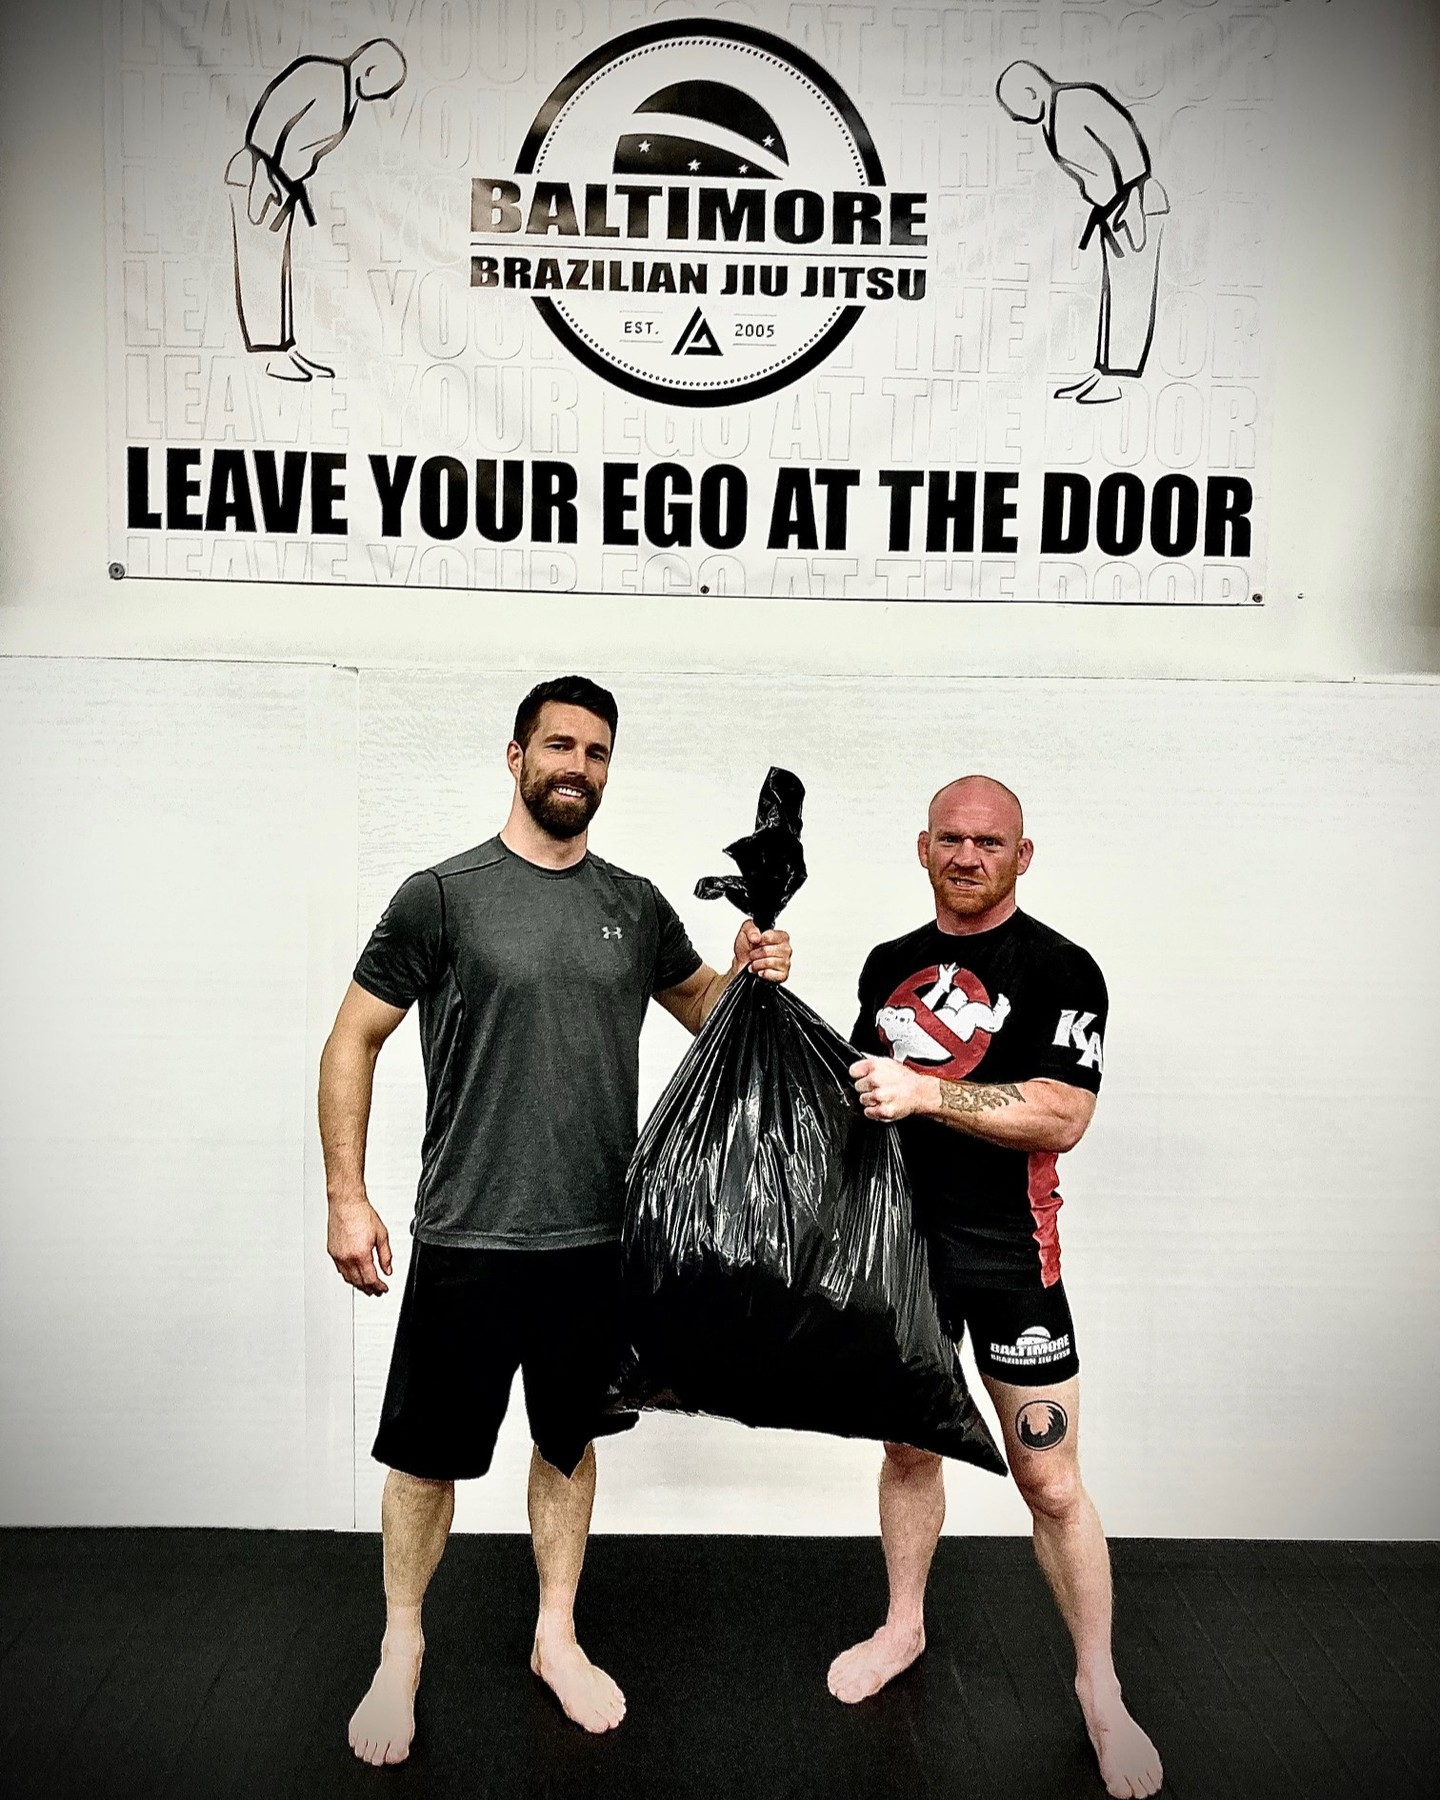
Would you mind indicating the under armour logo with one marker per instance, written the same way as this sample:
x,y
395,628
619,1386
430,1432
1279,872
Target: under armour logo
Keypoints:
x,y
609,931
1074,1029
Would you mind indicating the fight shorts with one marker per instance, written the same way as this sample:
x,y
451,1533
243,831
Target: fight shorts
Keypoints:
x,y
468,1320
1023,1336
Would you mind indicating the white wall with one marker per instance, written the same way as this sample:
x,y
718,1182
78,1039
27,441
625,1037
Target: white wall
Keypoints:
x,y
1249,1231
193,849
180,876
1352,488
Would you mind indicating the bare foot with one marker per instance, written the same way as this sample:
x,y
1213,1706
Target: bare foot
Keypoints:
x,y
1129,1762
863,1669
586,1694
384,1722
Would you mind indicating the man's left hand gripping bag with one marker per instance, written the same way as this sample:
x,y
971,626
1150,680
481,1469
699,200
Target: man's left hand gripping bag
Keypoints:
x,y
773,1270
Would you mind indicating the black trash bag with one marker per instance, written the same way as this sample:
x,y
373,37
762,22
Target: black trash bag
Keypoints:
x,y
773,1272
770,860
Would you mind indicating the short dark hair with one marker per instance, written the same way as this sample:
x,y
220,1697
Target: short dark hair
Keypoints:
x,y
568,690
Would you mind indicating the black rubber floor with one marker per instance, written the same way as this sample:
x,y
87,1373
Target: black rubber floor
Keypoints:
x,y
226,1663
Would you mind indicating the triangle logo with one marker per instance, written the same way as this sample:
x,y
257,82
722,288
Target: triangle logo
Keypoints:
x,y
697,339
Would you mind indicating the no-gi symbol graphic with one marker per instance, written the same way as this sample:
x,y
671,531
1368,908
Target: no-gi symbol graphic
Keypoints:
x,y
941,1021
303,114
697,214
1041,1425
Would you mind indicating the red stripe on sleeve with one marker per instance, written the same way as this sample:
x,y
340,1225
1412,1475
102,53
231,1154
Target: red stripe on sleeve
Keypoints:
x,y
1045,1202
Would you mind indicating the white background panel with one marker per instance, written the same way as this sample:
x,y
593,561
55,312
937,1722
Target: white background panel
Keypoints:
x,y
194,849
1250,1237
167,852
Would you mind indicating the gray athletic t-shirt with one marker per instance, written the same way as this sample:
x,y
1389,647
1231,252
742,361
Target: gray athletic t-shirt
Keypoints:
x,y
532,985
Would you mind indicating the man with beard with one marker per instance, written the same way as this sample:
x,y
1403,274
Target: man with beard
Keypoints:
x,y
985,1111
533,962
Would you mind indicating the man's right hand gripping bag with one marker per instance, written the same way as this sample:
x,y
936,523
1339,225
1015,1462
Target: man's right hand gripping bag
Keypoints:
x,y
773,1272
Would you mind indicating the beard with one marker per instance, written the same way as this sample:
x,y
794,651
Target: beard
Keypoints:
x,y
556,813
969,902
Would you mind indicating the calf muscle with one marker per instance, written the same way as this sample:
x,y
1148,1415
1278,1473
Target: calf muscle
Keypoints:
x,y
415,1518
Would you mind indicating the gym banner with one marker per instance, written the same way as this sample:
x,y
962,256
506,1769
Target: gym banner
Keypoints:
x,y
837,301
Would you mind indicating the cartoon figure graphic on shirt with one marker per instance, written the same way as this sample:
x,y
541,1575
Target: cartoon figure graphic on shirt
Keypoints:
x,y
1096,141
303,114
951,1006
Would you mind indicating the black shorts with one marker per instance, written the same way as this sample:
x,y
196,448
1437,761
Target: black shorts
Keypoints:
x,y
468,1320
1024,1336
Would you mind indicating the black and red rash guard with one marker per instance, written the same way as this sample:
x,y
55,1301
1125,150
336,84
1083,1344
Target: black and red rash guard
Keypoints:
x,y
1014,1003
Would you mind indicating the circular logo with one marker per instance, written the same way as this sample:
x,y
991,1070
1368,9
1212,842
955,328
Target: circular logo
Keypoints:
x,y
940,1021
1041,1424
721,168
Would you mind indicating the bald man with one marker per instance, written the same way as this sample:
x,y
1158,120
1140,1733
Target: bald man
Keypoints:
x,y
986,1033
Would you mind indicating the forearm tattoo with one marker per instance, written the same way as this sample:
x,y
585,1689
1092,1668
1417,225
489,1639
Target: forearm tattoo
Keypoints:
x,y
977,1097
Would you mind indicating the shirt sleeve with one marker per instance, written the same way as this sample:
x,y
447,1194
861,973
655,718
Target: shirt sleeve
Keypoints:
x,y
676,958
864,1035
406,952
1069,1011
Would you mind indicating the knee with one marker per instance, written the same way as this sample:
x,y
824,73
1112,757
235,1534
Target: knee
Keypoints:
x,y
417,1490
1053,1493
908,1463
